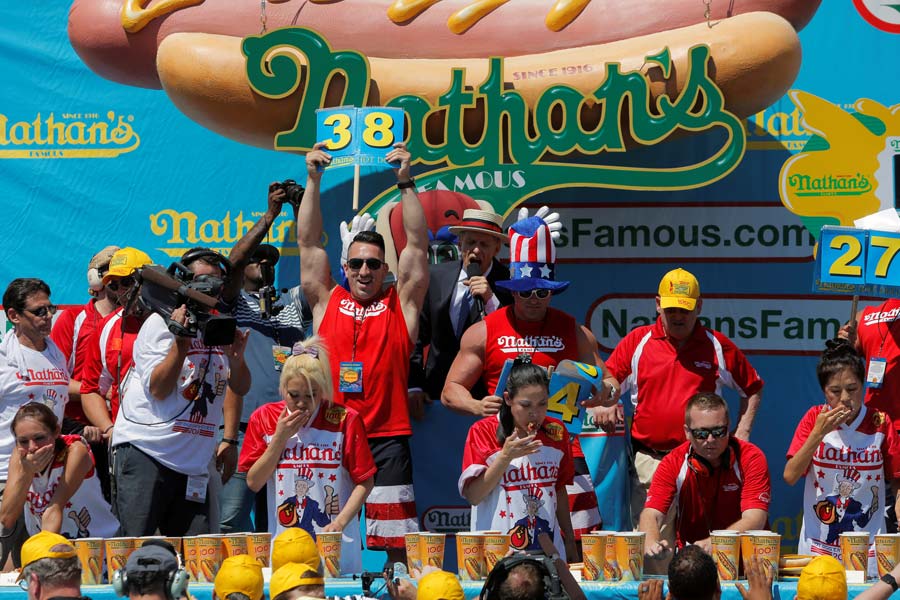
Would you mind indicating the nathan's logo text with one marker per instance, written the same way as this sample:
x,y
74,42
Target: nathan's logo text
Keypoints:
x,y
68,135
183,230
844,454
830,185
529,472
530,343
352,309
313,454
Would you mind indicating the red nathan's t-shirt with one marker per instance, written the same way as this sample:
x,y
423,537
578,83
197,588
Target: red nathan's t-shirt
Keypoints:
x,y
336,425
548,342
383,346
705,500
661,378
106,344
879,337
71,333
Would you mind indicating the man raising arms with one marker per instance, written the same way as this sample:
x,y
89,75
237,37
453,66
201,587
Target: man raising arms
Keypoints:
x,y
370,333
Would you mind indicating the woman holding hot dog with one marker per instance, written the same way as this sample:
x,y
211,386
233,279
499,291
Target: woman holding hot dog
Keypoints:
x,y
517,463
312,454
52,478
848,452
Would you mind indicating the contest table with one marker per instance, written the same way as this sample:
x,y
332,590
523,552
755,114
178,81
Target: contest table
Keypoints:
x,y
783,590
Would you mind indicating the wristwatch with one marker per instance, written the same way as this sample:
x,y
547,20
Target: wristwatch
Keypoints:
x,y
889,579
402,185
231,441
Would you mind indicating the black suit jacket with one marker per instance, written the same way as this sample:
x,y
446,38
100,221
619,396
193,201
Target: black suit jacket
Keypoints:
x,y
436,328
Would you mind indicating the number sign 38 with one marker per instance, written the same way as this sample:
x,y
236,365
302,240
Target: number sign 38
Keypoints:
x,y
359,135
859,257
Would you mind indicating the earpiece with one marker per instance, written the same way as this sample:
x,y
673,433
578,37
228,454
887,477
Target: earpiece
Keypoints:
x,y
176,583
209,255
95,281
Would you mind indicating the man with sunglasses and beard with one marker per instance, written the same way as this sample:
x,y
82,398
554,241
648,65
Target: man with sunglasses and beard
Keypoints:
x,y
370,333
711,481
662,365
529,326
71,332
108,352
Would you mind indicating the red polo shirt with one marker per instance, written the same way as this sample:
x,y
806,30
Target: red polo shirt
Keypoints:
x,y
706,500
70,333
879,336
661,377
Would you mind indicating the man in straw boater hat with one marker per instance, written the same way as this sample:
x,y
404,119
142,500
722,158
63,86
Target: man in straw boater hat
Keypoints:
x,y
451,305
529,325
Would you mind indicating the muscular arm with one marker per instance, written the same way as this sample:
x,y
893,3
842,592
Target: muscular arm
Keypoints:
x,y
747,414
315,271
412,264
465,372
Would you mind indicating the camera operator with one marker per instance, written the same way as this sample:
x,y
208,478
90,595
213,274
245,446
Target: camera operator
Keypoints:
x,y
151,573
171,408
275,324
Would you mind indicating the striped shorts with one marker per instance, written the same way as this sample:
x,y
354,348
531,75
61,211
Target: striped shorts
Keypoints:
x,y
391,507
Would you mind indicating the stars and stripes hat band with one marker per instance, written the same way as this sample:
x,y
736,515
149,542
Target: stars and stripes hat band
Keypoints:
x,y
532,262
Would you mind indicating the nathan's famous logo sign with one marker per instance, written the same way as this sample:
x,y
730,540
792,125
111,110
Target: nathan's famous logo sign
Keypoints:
x,y
848,169
182,230
541,136
67,135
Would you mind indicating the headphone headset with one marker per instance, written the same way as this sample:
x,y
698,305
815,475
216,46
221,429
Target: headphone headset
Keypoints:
x,y
95,280
209,256
176,583
703,468
552,586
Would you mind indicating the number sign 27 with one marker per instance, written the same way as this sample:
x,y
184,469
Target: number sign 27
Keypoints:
x,y
859,257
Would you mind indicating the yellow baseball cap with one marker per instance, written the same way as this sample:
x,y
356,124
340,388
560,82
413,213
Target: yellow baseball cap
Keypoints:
x,y
292,575
45,544
679,289
823,578
242,574
440,585
124,262
295,545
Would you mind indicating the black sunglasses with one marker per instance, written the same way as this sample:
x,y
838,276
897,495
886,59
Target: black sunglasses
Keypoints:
x,y
704,433
540,293
124,282
373,263
43,311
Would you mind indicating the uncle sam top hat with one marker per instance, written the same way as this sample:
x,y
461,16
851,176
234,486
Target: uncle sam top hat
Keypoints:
x,y
532,260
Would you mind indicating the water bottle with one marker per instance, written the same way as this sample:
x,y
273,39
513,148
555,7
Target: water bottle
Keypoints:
x,y
400,571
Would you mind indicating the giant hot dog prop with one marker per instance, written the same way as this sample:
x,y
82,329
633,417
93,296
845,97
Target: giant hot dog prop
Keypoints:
x,y
192,48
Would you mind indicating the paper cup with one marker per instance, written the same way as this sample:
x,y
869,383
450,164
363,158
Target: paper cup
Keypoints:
x,y
90,555
726,552
630,554
117,552
176,543
431,549
593,552
470,556
855,550
234,544
611,569
413,559
764,544
259,547
496,545
329,545
207,558
887,546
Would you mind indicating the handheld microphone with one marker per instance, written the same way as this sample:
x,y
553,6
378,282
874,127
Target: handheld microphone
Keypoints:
x,y
473,269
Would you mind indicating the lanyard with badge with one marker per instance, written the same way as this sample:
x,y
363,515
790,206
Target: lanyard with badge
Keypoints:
x,y
351,372
878,364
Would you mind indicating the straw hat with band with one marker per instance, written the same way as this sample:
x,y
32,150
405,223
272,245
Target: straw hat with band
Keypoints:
x,y
480,221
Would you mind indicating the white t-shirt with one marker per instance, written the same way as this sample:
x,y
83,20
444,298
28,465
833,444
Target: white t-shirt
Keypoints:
x,y
179,431
87,514
27,375
845,483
